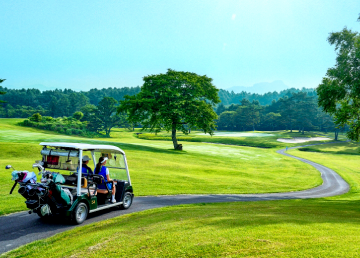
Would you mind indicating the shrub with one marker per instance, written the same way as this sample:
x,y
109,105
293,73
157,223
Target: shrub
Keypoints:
x,y
78,115
36,117
48,118
26,122
68,131
309,149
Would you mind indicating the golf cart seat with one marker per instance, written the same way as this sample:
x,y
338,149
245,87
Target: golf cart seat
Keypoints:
x,y
102,194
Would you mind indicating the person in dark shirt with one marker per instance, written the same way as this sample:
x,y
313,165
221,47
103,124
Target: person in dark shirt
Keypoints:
x,y
86,170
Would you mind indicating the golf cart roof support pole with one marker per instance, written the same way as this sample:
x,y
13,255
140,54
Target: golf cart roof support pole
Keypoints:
x,y
127,169
93,157
78,188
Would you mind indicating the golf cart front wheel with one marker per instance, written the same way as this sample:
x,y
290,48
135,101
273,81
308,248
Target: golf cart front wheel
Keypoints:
x,y
80,213
127,201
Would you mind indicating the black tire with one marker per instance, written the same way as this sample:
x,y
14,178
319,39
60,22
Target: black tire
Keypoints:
x,y
127,201
80,213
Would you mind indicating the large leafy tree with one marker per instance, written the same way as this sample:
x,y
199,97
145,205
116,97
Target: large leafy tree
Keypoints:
x,y
288,112
339,92
107,115
174,101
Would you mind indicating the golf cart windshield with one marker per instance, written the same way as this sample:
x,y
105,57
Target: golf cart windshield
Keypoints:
x,y
115,164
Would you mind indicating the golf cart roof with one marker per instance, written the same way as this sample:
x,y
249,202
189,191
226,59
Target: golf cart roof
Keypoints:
x,y
82,146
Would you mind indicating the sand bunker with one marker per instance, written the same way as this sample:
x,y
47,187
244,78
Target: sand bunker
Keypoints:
x,y
301,139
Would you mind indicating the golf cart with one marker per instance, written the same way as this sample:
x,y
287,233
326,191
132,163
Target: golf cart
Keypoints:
x,y
64,189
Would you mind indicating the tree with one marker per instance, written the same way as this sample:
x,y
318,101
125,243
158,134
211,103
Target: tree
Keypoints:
x,y
78,115
272,119
226,120
2,92
221,108
174,101
106,113
36,117
339,92
305,110
88,110
63,106
288,111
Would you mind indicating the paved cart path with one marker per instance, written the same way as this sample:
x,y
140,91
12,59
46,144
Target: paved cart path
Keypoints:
x,y
21,228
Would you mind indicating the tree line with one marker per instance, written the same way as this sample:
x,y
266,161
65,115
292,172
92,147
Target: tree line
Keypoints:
x,y
297,110
23,103
228,98
289,109
91,121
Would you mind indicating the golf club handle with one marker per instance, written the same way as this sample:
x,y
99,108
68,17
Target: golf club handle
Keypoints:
x,y
12,189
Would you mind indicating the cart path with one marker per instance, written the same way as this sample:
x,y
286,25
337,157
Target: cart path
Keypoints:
x,y
22,228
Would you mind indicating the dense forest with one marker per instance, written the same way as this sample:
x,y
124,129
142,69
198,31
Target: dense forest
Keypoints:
x,y
57,103
286,110
228,98
296,110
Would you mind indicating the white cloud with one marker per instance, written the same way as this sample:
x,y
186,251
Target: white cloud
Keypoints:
x,y
233,16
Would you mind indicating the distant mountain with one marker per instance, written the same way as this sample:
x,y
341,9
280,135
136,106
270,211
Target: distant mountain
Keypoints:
x,y
261,88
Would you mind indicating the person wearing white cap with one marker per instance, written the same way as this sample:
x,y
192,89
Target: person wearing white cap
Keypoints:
x,y
86,170
104,171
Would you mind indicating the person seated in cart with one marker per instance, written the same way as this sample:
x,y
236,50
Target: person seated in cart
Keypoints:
x,y
86,170
100,169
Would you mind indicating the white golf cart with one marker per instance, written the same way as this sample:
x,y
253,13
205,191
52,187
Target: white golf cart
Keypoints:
x,y
65,190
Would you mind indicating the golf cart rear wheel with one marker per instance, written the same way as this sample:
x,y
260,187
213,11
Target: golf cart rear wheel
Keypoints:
x,y
80,213
127,201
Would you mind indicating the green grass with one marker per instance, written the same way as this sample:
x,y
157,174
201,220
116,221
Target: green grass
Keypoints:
x,y
308,228
349,148
255,141
157,170
326,227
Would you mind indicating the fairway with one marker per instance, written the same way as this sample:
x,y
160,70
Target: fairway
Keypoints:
x,y
156,169
260,229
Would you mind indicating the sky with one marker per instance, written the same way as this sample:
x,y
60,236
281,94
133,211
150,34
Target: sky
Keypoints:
x,y
99,44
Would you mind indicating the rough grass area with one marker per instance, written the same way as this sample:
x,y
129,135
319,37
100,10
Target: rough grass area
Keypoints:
x,y
157,170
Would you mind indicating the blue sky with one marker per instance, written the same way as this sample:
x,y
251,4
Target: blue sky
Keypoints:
x,y
99,44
